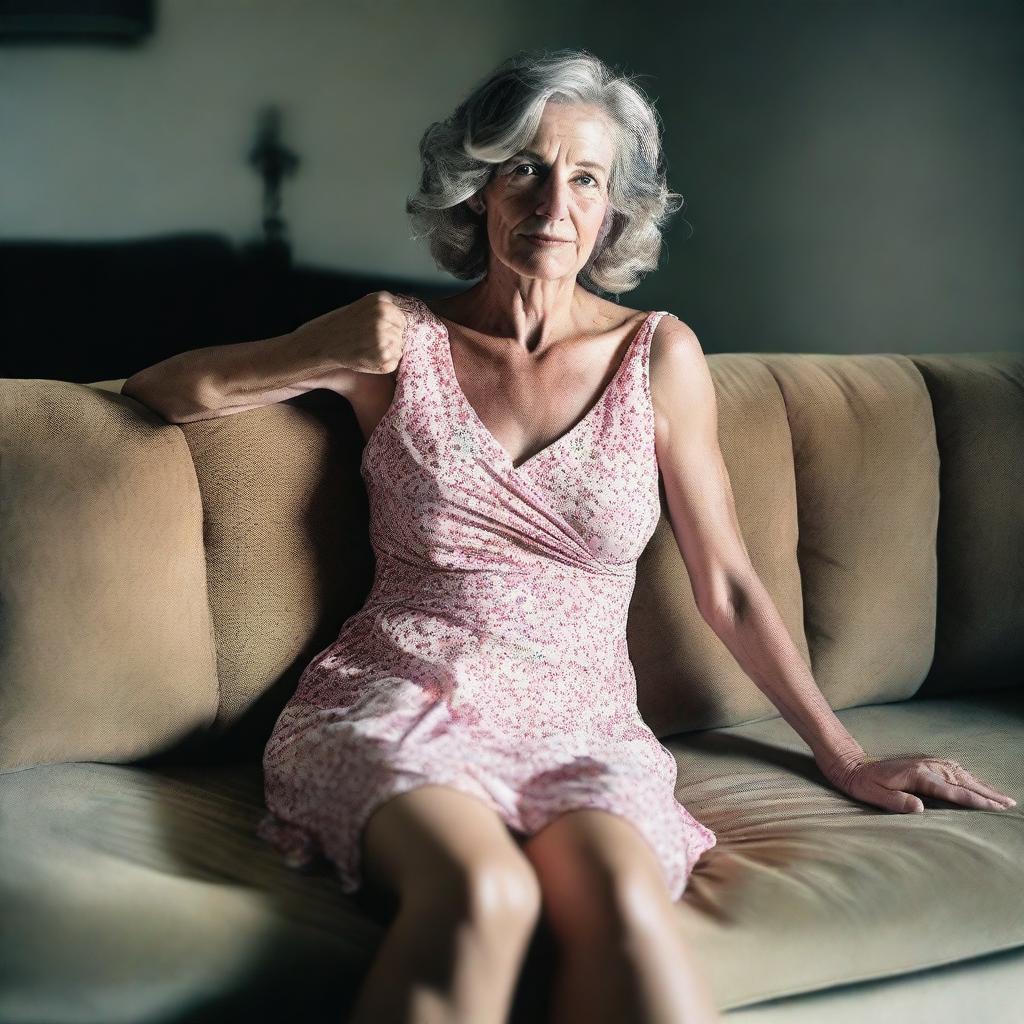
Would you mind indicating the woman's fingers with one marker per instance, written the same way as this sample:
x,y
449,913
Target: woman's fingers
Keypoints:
x,y
897,800
949,781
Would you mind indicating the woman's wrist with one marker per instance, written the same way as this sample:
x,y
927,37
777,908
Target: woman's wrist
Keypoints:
x,y
321,343
836,765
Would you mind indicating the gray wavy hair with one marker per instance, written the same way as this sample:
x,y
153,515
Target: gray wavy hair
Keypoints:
x,y
499,118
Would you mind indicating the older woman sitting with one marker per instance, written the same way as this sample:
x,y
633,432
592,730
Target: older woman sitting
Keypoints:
x,y
470,744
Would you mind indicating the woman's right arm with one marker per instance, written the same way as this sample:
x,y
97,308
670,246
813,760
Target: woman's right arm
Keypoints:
x,y
331,351
224,379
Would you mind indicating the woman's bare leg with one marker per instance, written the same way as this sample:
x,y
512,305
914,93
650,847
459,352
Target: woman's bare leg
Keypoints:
x,y
623,956
468,903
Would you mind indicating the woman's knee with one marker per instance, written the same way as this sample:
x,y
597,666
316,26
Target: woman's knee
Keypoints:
x,y
443,851
491,888
612,901
497,891
598,880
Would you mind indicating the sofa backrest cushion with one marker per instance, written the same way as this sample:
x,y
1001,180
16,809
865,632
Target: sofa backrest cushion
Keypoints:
x,y
287,549
978,402
834,469
108,612
685,676
106,640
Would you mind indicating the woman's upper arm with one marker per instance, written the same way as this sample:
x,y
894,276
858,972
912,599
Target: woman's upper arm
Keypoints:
x,y
699,494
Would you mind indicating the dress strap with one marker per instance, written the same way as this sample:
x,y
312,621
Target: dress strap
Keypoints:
x,y
415,348
643,350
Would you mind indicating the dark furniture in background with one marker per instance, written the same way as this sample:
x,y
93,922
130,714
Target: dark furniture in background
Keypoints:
x,y
87,311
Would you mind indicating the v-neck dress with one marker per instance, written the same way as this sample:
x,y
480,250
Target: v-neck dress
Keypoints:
x,y
490,654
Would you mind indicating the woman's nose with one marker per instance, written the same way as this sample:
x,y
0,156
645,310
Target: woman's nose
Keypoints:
x,y
553,200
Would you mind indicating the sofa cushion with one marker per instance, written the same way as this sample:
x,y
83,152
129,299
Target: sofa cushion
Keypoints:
x,y
978,403
866,466
145,892
985,990
686,678
287,548
106,642
835,472
807,888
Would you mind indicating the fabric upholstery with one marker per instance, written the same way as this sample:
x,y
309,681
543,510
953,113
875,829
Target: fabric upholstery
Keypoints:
x,y
986,990
106,643
978,403
144,893
879,497
866,468
811,889
288,556
686,678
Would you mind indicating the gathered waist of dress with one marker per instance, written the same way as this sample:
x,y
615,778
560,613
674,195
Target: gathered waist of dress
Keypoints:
x,y
509,600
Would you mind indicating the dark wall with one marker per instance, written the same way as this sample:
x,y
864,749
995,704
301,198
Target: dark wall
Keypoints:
x,y
852,169
852,173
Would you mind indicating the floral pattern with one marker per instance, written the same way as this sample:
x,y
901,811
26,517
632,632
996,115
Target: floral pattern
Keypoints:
x,y
490,654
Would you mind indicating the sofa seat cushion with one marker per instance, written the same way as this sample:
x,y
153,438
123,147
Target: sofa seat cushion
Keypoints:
x,y
984,990
809,889
141,893
130,895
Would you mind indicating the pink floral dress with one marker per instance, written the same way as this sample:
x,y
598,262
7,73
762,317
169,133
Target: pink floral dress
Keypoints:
x,y
490,655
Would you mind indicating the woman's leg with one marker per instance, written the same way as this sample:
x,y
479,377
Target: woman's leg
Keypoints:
x,y
622,955
468,903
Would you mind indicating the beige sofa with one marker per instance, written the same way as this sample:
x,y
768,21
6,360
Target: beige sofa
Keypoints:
x,y
162,586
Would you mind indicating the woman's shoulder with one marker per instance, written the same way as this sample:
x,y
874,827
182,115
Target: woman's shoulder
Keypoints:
x,y
613,314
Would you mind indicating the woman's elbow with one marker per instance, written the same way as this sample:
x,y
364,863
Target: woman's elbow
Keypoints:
x,y
175,404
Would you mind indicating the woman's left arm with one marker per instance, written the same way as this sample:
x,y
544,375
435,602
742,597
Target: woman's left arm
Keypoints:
x,y
760,642
735,604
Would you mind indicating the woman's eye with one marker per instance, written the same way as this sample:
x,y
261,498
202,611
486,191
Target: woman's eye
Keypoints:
x,y
593,180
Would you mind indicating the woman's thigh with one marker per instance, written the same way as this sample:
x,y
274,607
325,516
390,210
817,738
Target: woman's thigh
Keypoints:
x,y
439,842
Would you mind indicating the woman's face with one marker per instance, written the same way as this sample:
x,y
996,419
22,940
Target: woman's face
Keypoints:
x,y
557,186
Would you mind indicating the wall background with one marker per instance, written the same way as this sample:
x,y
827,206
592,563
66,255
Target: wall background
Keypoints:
x,y
852,168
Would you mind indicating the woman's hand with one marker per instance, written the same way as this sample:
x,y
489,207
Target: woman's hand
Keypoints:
x,y
891,782
366,336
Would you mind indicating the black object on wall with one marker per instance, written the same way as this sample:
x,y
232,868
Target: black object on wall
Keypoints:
x,y
87,311
52,21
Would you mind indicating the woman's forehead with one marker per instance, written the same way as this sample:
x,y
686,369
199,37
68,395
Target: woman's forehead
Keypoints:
x,y
585,136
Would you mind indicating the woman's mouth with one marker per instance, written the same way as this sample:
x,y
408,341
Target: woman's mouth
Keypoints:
x,y
540,240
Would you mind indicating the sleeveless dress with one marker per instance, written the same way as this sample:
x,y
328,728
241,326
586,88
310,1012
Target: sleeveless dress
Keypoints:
x,y
490,654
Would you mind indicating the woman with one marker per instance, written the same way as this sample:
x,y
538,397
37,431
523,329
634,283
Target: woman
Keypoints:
x,y
470,743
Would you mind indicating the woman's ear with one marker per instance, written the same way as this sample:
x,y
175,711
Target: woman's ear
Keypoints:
x,y
476,204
